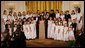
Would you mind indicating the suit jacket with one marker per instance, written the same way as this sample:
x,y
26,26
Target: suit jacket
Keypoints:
x,y
52,15
74,26
67,16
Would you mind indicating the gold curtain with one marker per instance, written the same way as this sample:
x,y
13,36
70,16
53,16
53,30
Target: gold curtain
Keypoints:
x,y
42,5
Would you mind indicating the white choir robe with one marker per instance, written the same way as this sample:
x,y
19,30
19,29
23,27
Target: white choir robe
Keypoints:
x,y
65,34
32,25
10,18
16,22
61,28
56,35
69,23
71,34
49,29
73,17
4,17
14,18
15,28
19,17
33,15
57,15
52,30
26,30
64,22
23,17
27,16
79,25
62,16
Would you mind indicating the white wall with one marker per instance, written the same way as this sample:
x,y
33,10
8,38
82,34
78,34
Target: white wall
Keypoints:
x,y
18,5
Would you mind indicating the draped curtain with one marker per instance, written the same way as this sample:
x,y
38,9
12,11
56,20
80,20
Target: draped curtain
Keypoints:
x,y
43,5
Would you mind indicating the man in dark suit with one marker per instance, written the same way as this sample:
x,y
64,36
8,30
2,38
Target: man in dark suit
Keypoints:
x,y
37,18
52,14
74,24
67,15
46,25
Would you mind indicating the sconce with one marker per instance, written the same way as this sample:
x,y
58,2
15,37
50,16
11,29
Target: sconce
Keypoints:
x,y
76,5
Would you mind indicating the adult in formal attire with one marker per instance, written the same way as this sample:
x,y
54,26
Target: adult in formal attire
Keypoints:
x,y
37,18
74,24
67,16
52,14
79,19
41,28
46,25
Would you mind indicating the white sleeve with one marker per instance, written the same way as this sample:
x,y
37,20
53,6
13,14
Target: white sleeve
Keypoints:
x,y
80,14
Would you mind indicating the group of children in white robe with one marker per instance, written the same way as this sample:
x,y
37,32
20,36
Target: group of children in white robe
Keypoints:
x,y
29,30
60,30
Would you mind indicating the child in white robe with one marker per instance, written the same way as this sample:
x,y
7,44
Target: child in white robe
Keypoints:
x,y
4,19
25,30
49,27
57,14
10,17
19,15
71,33
28,33
28,15
14,16
73,15
23,14
34,27
65,32
56,35
15,27
52,30
61,28
62,15
64,21
69,22
32,30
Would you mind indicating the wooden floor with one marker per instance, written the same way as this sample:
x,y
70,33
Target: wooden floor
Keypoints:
x,y
45,43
